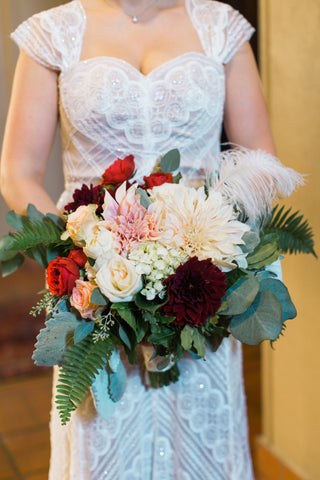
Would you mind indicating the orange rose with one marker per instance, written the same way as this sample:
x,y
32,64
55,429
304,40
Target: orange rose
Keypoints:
x,y
62,274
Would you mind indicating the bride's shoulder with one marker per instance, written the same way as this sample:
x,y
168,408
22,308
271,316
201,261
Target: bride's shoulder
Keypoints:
x,y
53,36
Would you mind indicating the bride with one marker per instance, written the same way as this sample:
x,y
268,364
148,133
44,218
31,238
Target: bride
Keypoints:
x,y
139,77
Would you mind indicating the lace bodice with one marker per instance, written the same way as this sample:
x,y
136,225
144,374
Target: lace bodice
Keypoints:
x,y
109,109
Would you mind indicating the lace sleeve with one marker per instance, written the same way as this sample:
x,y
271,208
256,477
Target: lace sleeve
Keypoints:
x,y
221,29
238,31
53,37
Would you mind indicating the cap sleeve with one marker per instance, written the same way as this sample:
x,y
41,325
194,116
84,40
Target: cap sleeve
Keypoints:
x,y
237,31
53,37
221,29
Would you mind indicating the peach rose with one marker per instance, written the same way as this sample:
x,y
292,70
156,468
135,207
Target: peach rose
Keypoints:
x,y
80,299
81,224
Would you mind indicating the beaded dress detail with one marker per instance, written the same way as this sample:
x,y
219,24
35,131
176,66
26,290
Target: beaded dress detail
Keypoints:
x,y
196,428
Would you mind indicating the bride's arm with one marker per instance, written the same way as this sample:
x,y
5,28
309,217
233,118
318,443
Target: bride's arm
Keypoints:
x,y
245,117
29,135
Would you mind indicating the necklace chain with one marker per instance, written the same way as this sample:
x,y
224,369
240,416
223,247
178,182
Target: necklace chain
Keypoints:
x,y
135,19
135,16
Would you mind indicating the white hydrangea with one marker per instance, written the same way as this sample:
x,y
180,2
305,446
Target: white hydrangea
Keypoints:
x,y
156,262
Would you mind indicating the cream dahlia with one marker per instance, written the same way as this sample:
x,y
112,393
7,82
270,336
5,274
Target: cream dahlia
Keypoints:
x,y
201,226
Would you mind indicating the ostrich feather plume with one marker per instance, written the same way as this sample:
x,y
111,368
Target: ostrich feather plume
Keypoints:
x,y
253,180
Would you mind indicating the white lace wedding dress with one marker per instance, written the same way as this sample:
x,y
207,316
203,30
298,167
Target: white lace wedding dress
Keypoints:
x,y
195,429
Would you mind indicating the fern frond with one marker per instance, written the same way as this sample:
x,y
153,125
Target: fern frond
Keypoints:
x,y
36,234
295,233
80,366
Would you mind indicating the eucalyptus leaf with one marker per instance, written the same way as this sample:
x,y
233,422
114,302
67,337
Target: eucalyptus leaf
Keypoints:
x,y
6,244
262,320
34,214
107,388
97,298
57,221
15,220
83,330
241,295
281,292
10,266
144,199
52,340
39,255
251,240
170,161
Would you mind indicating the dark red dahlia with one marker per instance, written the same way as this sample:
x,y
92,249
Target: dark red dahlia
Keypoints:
x,y
195,292
86,196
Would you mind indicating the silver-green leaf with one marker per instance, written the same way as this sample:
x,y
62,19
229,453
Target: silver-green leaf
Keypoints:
x,y
262,320
52,340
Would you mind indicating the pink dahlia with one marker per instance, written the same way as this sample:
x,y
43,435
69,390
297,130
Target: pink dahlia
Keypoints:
x,y
195,292
129,222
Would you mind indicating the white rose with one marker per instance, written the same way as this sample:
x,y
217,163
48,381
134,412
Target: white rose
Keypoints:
x,y
118,279
99,243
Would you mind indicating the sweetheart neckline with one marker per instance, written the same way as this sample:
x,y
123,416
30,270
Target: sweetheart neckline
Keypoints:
x,y
129,64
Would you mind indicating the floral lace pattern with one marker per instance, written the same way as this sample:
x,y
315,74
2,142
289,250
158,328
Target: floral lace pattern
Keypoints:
x,y
196,428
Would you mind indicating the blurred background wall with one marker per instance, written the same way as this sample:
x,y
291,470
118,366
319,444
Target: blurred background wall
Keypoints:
x,y
290,64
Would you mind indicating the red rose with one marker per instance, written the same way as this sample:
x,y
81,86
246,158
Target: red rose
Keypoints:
x,y
156,179
62,274
119,171
78,256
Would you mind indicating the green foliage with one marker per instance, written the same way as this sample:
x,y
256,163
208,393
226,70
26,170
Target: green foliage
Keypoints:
x,y
170,161
295,233
191,339
262,320
37,236
266,252
11,265
150,305
81,364
240,296
53,340
97,298
144,199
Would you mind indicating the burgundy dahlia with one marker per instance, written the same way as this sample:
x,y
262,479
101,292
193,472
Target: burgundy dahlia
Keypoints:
x,y
86,196
195,292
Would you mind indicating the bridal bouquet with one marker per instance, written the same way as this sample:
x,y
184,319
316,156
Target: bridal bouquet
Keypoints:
x,y
161,264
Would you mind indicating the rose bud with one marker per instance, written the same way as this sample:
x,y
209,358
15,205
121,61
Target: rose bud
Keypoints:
x,y
119,171
157,178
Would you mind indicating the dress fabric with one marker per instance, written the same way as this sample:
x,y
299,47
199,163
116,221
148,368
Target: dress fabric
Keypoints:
x,y
196,428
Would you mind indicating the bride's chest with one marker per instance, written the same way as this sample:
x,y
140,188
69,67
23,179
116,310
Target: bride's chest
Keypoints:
x,y
107,88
